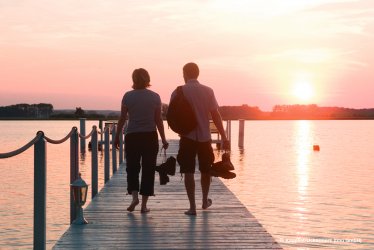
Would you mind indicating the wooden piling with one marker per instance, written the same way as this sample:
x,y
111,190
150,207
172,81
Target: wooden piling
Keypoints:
x,y
241,133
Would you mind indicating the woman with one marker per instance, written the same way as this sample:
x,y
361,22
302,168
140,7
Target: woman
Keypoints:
x,y
141,141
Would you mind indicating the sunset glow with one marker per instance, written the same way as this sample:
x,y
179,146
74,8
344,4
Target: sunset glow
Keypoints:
x,y
303,91
74,53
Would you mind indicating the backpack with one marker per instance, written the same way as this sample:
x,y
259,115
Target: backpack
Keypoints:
x,y
180,115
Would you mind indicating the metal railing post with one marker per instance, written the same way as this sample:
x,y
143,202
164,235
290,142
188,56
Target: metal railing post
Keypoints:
x,y
74,169
106,156
94,163
101,135
40,186
114,150
120,145
83,133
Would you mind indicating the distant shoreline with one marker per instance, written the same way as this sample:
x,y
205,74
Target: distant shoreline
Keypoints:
x,y
43,111
255,119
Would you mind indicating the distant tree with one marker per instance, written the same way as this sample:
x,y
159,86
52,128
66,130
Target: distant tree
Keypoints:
x,y
43,110
113,116
79,112
94,115
24,110
240,112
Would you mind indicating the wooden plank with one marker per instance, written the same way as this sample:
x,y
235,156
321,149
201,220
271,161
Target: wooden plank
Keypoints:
x,y
227,224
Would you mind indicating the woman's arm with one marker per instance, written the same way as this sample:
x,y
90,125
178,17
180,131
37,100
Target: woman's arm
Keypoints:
x,y
160,127
120,124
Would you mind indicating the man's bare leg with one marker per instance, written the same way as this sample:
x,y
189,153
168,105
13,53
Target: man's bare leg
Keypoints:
x,y
205,185
189,183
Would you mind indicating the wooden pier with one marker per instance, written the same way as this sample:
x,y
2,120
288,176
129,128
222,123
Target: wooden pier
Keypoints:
x,y
227,224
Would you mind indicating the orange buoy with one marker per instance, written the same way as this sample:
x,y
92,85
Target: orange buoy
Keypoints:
x,y
316,147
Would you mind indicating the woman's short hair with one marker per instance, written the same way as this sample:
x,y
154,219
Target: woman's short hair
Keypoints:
x,y
141,79
191,70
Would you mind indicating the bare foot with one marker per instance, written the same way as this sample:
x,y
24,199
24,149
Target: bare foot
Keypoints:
x,y
207,204
133,204
145,210
190,212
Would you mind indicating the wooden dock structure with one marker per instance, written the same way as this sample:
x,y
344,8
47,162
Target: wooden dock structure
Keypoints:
x,y
227,224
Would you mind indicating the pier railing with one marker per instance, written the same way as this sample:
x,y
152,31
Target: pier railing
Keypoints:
x,y
40,170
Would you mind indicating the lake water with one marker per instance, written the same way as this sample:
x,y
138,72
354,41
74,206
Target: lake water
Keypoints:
x,y
304,198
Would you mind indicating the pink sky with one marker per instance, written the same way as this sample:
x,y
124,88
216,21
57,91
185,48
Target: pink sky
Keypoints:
x,y
82,53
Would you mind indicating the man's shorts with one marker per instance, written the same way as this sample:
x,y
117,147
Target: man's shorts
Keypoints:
x,y
188,149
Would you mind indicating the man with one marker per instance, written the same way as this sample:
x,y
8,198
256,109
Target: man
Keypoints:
x,y
198,141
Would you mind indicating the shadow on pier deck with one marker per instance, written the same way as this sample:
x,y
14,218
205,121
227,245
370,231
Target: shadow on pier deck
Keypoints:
x,y
227,224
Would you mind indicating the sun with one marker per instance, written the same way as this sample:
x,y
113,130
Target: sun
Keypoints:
x,y
303,91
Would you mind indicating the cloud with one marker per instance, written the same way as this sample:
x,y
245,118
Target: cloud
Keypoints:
x,y
311,55
346,17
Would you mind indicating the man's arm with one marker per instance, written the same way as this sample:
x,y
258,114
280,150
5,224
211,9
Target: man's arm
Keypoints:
x,y
216,117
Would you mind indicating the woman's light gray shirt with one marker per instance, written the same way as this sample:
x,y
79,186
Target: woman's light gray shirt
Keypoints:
x,y
141,105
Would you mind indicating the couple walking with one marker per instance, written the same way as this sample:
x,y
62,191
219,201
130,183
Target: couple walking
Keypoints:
x,y
143,108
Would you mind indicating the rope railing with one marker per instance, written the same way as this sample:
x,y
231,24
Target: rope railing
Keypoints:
x,y
89,135
103,132
22,149
39,135
40,169
63,139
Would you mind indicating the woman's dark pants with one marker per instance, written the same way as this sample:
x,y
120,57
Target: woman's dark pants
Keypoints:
x,y
141,153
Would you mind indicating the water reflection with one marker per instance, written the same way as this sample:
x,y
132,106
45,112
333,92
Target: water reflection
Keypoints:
x,y
241,154
241,160
302,143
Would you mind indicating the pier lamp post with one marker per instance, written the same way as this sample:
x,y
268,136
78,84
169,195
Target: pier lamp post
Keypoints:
x,y
80,188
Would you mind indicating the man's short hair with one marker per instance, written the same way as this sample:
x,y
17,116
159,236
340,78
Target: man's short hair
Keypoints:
x,y
140,78
191,70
